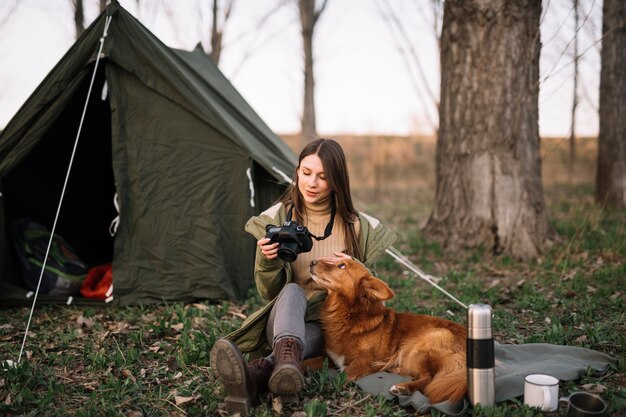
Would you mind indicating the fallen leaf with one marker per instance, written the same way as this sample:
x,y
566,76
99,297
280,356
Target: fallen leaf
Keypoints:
x,y
594,388
134,413
238,311
128,374
201,321
277,404
199,306
177,327
239,315
494,283
83,321
182,400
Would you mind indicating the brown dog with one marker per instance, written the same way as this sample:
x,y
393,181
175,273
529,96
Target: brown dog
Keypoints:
x,y
363,336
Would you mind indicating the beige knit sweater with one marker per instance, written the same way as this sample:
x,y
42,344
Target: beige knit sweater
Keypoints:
x,y
316,221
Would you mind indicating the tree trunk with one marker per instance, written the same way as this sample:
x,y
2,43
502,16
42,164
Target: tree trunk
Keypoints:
x,y
308,19
216,36
79,17
611,172
488,166
572,135
103,5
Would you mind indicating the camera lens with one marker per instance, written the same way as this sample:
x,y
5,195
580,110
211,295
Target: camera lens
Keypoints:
x,y
288,251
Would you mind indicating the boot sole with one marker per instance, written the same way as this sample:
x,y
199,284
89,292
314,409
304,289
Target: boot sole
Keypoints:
x,y
286,380
228,364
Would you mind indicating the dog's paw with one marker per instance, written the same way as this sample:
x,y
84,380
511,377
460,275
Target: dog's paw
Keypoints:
x,y
351,378
398,389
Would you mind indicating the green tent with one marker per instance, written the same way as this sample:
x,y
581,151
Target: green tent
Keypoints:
x,y
188,158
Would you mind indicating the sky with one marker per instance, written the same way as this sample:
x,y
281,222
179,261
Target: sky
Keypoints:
x,y
366,73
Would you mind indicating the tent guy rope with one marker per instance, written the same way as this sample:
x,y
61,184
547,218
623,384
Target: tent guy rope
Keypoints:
x,y
399,257
67,175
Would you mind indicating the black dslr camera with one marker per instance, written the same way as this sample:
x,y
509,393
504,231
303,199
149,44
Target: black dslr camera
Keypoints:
x,y
292,237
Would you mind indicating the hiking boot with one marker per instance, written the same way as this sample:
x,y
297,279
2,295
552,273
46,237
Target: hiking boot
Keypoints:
x,y
242,382
287,377
259,372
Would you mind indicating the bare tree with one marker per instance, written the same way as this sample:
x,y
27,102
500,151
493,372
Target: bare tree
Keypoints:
x,y
488,167
309,16
411,58
611,171
217,28
572,137
260,39
6,11
79,17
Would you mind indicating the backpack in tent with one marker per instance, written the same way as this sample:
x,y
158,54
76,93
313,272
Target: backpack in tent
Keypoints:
x,y
64,271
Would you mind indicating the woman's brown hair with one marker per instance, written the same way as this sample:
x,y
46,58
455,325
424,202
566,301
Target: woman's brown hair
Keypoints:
x,y
336,171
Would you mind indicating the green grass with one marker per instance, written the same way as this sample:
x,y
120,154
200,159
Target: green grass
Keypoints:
x,y
154,360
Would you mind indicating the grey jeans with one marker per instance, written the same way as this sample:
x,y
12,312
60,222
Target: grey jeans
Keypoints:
x,y
287,319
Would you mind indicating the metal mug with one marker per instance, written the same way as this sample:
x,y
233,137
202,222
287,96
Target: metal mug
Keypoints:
x,y
584,404
541,391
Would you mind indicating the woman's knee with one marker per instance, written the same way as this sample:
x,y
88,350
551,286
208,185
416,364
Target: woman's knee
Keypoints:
x,y
292,290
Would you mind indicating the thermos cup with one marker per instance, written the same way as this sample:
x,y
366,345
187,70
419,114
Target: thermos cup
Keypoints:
x,y
481,379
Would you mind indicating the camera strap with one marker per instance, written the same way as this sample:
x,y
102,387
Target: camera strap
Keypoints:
x,y
329,227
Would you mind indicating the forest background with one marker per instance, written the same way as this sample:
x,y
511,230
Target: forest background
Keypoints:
x,y
154,362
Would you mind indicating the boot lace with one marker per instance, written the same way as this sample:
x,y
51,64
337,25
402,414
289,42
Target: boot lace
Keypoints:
x,y
288,349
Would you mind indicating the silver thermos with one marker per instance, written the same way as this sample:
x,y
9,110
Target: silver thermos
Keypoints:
x,y
481,378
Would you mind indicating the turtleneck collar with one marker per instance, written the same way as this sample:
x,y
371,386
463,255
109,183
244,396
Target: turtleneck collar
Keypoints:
x,y
320,208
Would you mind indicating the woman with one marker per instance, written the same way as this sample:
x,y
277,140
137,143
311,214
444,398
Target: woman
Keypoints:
x,y
286,331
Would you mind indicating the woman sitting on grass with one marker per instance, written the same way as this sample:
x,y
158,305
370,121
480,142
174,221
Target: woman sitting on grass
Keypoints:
x,y
286,330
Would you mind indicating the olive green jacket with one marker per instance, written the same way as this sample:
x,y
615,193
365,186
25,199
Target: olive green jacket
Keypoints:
x,y
271,275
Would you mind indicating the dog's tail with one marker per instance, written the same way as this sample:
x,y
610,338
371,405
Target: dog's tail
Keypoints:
x,y
450,383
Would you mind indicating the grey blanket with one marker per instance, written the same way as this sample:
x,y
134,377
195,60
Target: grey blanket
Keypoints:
x,y
513,363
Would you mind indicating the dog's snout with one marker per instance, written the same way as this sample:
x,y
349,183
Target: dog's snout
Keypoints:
x,y
314,262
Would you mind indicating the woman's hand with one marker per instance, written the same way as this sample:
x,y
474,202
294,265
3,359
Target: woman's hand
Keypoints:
x,y
332,259
269,251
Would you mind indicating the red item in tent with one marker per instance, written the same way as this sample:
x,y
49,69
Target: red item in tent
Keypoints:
x,y
98,282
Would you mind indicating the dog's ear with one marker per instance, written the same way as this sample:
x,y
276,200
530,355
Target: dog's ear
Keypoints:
x,y
377,289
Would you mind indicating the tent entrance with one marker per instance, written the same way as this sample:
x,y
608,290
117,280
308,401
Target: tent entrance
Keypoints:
x,y
33,188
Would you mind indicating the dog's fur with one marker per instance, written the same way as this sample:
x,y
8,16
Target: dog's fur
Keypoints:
x,y
363,336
